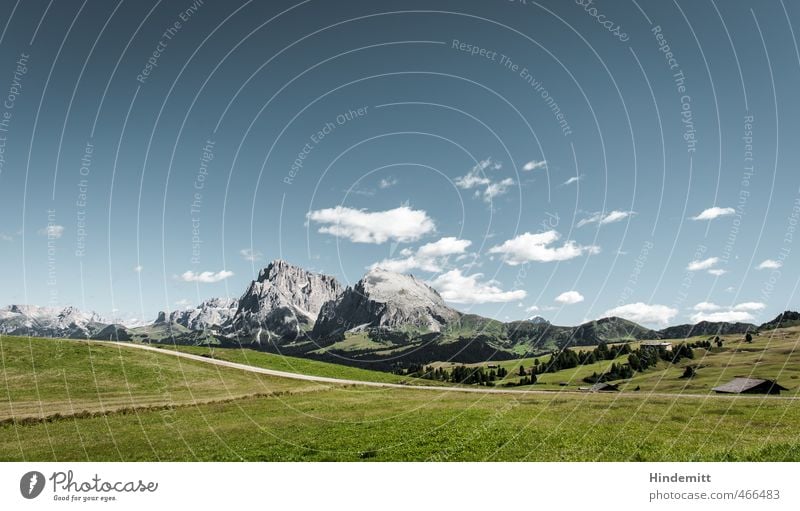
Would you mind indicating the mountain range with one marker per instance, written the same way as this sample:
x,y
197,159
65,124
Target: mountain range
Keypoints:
x,y
384,319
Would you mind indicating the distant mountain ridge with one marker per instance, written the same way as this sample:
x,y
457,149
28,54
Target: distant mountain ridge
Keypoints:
x,y
705,328
782,320
385,315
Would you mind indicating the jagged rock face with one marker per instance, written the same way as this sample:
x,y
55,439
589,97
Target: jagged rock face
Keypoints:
x,y
161,319
784,319
283,302
215,312
388,301
538,320
49,321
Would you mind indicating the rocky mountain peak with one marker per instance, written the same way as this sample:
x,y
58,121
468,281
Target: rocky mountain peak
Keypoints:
x,y
386,300
283,301
538,320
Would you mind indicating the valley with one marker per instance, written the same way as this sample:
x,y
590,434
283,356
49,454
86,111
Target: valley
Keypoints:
x,y
302,368
236,415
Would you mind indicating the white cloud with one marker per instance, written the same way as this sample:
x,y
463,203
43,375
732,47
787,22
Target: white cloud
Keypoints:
x,y
457,288
407,264
706,307
750,306
471,180
52,231
401,224
533,308
6,237
769,264
476,178
706,311
703,264
446,246
387,182
138,268
429,257
604,219
717,272
183,303
730,289
712,213
250,254
533,165
538,247
569,297
496,189
731,316
206,277
644,313
573,179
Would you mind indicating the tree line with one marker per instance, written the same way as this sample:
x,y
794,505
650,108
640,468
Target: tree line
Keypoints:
x,y
638,360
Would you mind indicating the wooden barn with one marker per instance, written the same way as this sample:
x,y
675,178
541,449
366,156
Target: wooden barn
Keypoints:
x,y
603,387
749,386
657,344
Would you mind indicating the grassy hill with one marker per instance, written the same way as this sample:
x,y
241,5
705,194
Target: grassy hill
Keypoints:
x,y
159,407
295,364
773,354
407,424
42,377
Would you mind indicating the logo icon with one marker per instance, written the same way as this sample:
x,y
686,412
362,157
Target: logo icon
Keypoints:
x,y
31,484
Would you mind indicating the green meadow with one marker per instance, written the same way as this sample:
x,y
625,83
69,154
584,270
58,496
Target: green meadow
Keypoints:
x,y
64,400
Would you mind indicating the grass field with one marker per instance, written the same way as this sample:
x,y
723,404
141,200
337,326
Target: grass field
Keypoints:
x,y
295,364
42,377
151,406
772,355
399,424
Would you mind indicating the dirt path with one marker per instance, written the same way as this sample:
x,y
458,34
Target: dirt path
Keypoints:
x,y
464,389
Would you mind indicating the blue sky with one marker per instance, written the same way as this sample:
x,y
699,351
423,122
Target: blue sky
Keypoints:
x,y
552,158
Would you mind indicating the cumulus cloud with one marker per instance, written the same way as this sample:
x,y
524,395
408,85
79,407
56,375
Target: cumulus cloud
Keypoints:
x,y
401,224
429,257
458,288
52,231
250,254
483,185
540,247
569,297
769,264
573,179
712,213
706,311
206,277
703,264
644,313
731,316
534,165
706,307
717,271
446,246
606,218
750,306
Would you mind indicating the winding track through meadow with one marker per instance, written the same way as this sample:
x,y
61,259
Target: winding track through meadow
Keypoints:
x,y
465,389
